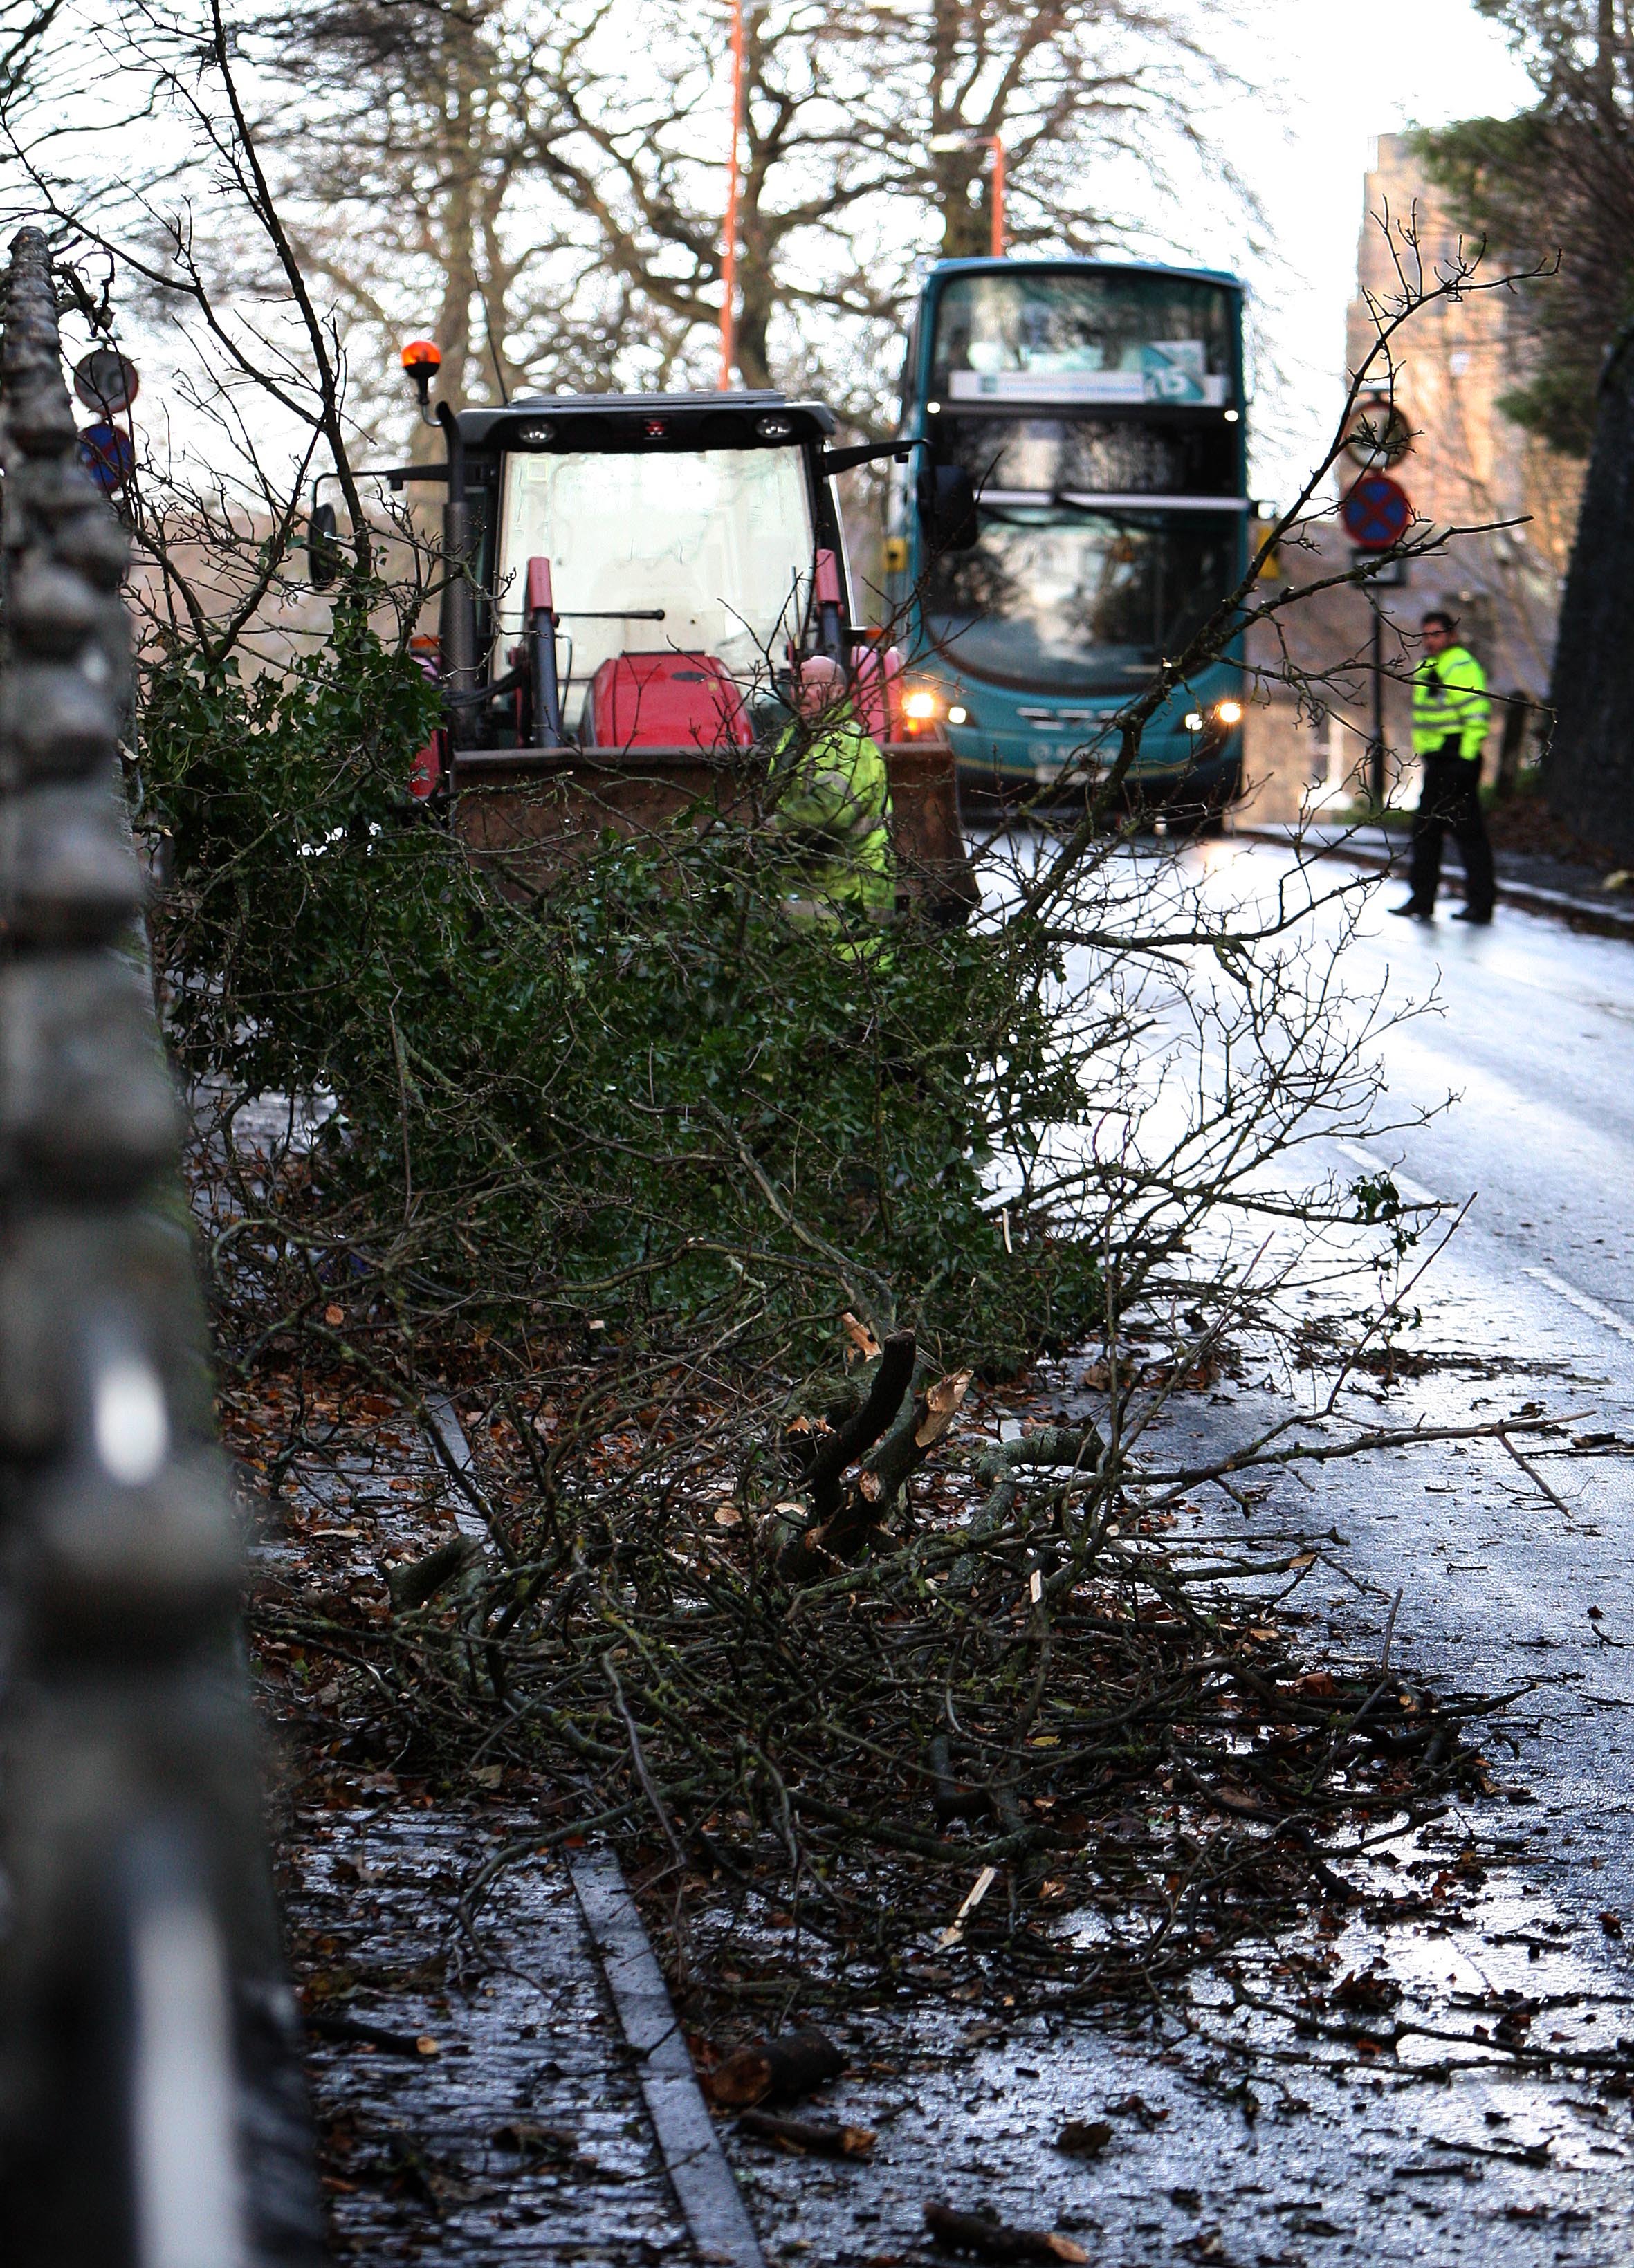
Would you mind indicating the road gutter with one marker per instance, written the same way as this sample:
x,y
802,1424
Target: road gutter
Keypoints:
x,y
705,2188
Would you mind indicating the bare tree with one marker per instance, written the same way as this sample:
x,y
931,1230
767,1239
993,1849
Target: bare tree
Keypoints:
x,y
550,212
415,142
25,26
843,190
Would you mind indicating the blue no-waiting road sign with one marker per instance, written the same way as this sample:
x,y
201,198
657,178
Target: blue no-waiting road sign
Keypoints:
x,y
1377,512
106,455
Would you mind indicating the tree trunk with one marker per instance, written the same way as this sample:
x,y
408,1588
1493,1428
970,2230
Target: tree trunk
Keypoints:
x,y
1588,768
755,302
967,224
453,317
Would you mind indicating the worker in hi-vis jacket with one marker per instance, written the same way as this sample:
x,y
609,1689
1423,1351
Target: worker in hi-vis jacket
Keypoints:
x,y
831,806
1450,715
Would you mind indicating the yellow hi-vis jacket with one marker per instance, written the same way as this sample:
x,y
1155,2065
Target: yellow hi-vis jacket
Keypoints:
x,y
1449,700
832,805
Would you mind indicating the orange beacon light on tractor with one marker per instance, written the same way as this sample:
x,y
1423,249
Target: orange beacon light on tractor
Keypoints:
x,y
423,358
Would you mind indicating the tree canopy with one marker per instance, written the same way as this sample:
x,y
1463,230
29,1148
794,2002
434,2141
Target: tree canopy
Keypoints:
x,y
1555,186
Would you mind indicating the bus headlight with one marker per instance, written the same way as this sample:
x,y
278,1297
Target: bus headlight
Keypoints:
x,y
957,715
1194,721
1228,713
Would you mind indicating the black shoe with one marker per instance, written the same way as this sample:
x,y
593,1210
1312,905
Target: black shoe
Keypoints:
x,y
1413,910
1474,914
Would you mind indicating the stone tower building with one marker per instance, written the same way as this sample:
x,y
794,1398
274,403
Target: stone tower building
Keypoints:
x,y
1469,466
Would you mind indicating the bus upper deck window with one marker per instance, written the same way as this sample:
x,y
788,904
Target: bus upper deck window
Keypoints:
x,y
1119,336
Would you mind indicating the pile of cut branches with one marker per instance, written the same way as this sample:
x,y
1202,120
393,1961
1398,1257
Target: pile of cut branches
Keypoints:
x,y
816,1715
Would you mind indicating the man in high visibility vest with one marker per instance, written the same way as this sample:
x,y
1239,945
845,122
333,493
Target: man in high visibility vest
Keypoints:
x,y
831,805
1450,714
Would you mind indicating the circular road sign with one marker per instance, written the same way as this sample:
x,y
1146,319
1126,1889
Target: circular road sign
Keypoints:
x,y
104,380
1377,512
1378,437
106,455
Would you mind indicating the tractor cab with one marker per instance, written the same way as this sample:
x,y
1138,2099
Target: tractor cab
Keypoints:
x,y
693,550
631,581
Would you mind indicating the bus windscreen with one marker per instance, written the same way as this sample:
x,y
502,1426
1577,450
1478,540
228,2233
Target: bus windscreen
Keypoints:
x,y
1111,337
1073,602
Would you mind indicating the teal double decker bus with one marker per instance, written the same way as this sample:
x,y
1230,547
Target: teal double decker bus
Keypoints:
x,y
1097,411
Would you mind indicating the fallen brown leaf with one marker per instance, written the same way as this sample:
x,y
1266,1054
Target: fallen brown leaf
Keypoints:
x,y
1084,2137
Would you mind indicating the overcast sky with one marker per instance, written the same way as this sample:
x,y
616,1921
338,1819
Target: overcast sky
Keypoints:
x,y
1342,76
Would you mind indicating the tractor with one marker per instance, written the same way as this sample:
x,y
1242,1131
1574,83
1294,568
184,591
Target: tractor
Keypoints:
x,y
629,582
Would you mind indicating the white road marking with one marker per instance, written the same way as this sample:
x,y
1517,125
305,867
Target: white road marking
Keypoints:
x,y
1584,1305
1414,1192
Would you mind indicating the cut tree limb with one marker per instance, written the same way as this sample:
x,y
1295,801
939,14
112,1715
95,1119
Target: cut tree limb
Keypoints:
x,y
867,1504
416,1582
990,2240
1075,1447
953,1799
858,1435
775,2071
821,2137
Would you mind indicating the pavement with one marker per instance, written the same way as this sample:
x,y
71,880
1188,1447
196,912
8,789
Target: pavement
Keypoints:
x,y
1535,882
1240,2125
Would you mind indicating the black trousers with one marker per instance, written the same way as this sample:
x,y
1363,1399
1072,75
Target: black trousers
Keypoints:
x,y
1451,798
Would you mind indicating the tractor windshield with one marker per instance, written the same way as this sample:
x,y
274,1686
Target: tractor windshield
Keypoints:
x,y
721,540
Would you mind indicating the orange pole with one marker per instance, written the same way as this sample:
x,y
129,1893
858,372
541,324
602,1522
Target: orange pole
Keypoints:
x,y
998,149
729,251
